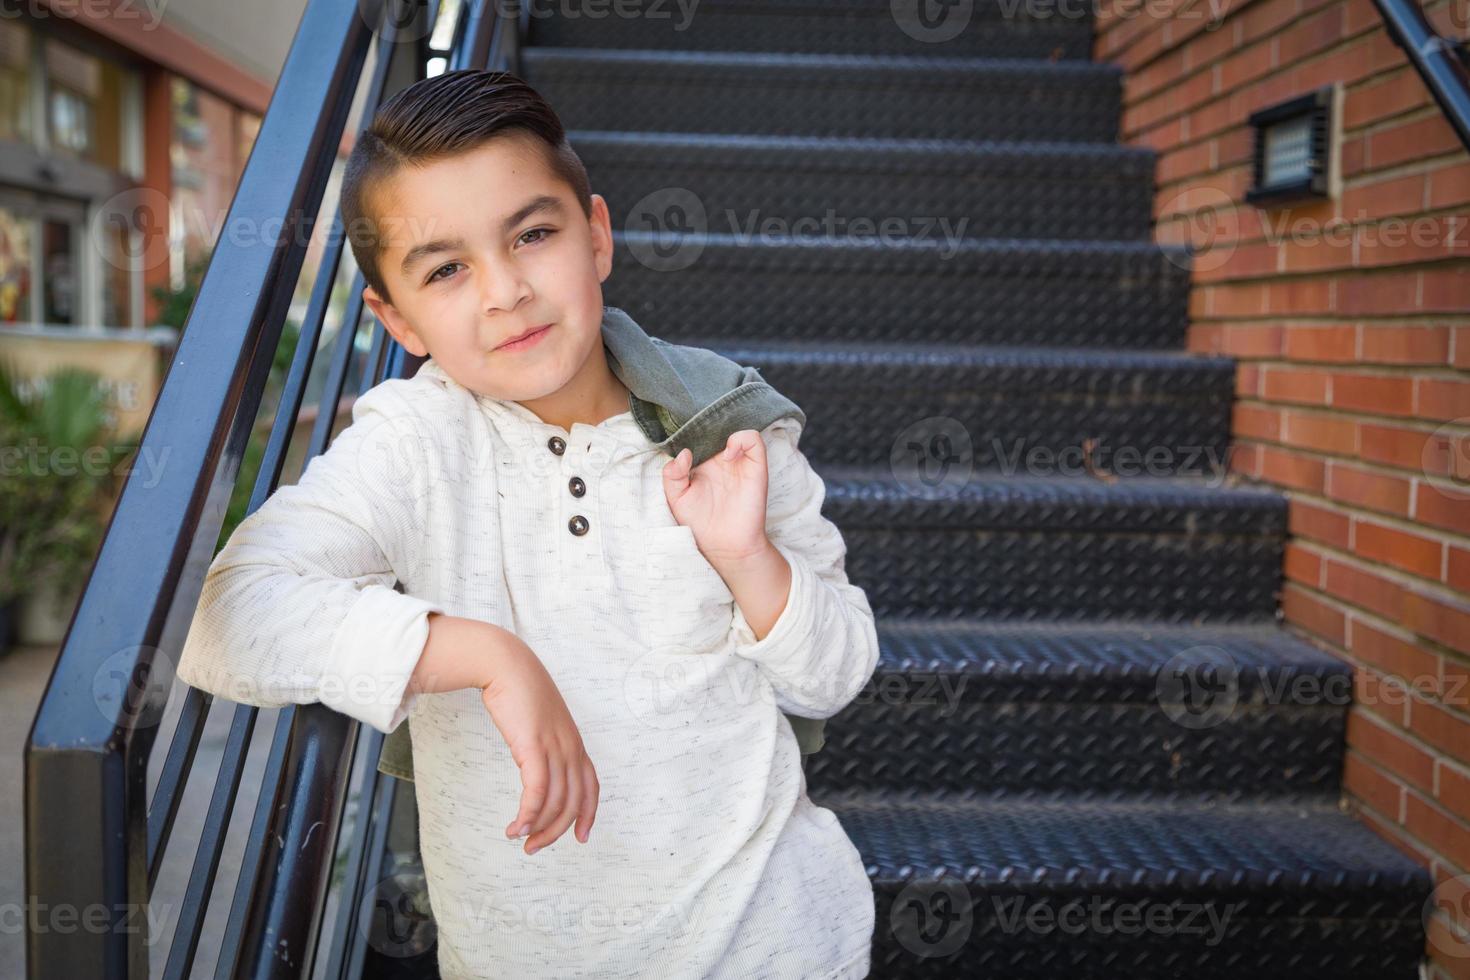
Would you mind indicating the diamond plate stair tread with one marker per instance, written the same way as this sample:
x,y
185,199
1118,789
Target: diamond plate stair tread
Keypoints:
x,y
870,67
868,154
869,497
1171,847
829,94
1089,661
880,288
1181,370
824,25
873,250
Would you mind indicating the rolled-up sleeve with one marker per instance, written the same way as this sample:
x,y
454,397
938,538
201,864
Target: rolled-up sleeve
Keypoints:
x,y
823,647
299,606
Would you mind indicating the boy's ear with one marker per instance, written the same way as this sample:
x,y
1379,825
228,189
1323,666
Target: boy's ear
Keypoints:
x,y
396,325
602,246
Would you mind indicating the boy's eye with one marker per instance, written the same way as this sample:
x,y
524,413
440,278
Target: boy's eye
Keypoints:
x,y
545,233
435,274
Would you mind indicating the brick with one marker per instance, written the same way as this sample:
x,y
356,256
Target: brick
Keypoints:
x,y
1309,520
1337,342
1398,547
1437,828
1245,461
1447,731
1320,431
1444,456
1265,18
1381,696
1255,422
1379,98
1291,469
1454,682
1444,507
1391,445
1367,488
1248,380
1403,241
1252,339
1457,568
1300,385
1440,398
1245,66
1367,201
1382,293
1235,146
1318,253
1364,587
1306,610
1236,301
1391,749
1449,185
1460,348
1394,655
1372,786
1411,141
1301,564
1453,792
1407,344
1186,161
1441,618
1445,289
1228,260
1450,949
1309,35
1382,394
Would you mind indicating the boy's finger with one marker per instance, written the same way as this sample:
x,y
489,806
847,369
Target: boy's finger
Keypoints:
x,y
533,793
569,809
589,801
556,792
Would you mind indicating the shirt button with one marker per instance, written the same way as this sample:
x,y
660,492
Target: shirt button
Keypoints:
x,y
578,525
557,444
577,487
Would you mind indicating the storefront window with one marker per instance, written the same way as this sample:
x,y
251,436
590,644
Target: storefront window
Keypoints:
x,y
117,275
15,267
205,169
15,81
59,292
85,105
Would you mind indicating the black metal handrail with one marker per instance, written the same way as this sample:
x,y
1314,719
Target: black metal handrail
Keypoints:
x,y
1438,60
93,838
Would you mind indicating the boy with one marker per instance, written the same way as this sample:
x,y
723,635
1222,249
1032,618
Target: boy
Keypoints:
x,y
569,596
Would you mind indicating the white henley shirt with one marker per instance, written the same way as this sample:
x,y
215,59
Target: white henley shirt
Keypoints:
x,y
707,858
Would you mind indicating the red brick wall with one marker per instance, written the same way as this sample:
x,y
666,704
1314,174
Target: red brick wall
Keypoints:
x,y
1350,320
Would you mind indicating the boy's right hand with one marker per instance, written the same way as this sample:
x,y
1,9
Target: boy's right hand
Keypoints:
x,y
559,783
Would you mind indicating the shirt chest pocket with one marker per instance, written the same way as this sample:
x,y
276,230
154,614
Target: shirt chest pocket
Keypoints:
x,y
688,608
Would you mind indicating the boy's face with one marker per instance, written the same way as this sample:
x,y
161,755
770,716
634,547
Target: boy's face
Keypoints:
x,y
469,270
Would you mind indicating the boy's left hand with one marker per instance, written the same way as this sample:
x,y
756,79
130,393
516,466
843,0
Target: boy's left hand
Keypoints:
x,y
723,500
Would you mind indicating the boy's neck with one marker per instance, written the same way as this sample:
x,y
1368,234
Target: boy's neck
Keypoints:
x,y
593,395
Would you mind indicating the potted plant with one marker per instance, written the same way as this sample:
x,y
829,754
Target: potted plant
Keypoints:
x,y
59,474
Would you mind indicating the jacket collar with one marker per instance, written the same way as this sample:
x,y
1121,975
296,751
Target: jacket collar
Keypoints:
x,y
679,396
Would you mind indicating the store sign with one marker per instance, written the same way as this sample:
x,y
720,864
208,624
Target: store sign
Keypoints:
x,y
131,369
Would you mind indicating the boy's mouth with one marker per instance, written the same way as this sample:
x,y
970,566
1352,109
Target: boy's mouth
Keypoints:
x,y
525,340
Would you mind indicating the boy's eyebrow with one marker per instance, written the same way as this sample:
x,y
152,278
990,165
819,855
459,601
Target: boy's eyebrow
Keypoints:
x,y
421,251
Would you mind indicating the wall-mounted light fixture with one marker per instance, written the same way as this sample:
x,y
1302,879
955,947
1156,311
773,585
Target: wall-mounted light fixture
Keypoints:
x,y
1294,148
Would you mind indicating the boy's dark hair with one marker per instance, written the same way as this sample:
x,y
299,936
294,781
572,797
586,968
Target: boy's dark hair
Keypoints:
x,y
438,117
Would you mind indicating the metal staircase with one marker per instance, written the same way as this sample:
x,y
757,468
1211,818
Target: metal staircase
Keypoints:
x,y
1090,748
